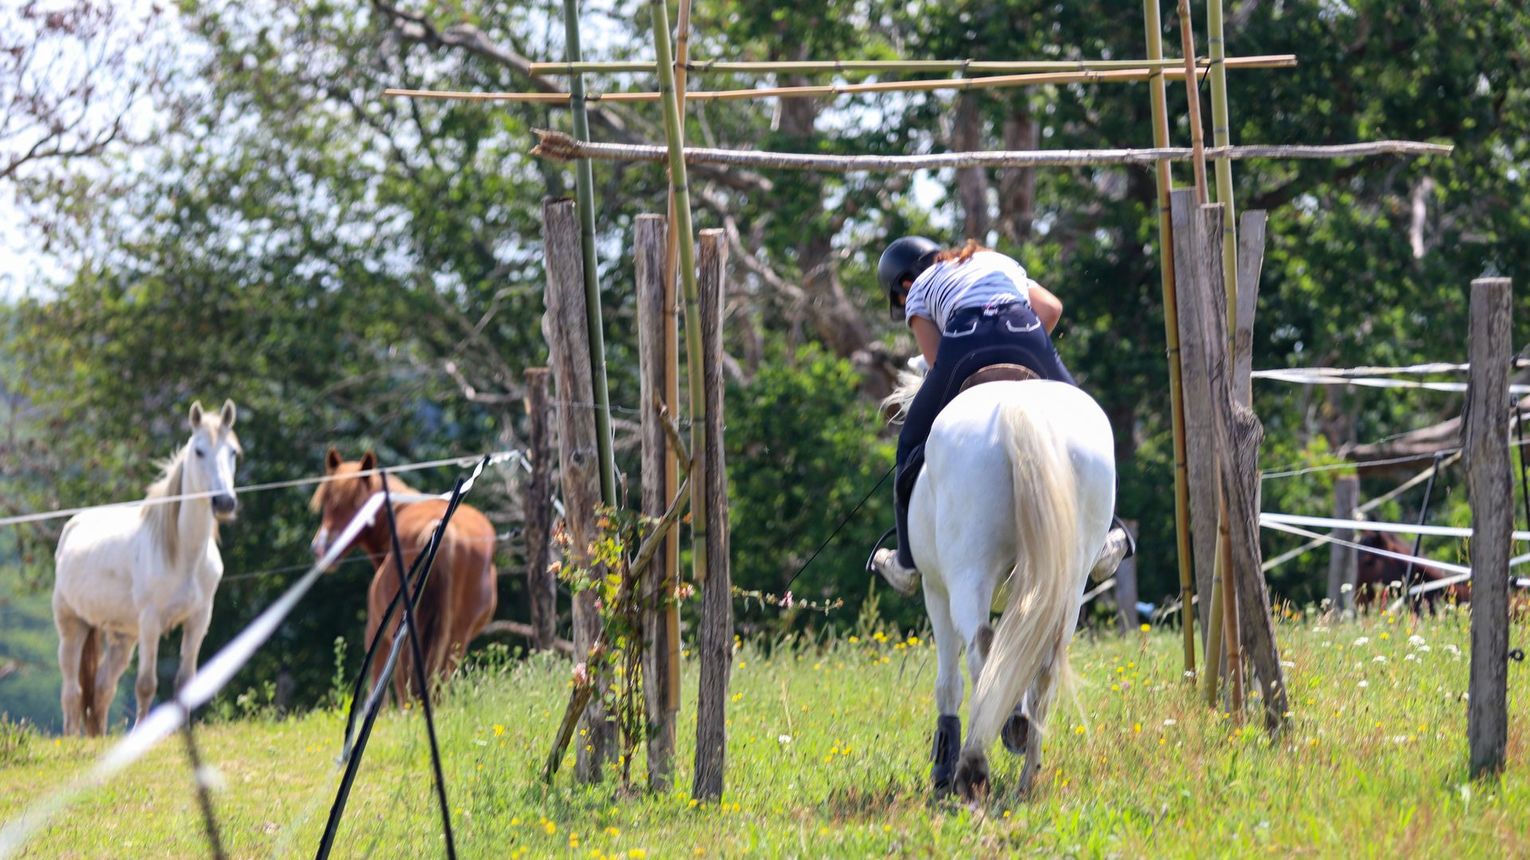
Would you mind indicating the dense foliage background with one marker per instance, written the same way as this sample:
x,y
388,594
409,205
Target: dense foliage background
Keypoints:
x,y
260,223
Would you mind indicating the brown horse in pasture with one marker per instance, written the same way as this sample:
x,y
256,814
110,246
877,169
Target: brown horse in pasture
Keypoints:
x,y
459,597
1375,573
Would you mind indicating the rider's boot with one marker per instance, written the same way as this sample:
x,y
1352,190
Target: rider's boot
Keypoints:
x,y
1119,545
897,567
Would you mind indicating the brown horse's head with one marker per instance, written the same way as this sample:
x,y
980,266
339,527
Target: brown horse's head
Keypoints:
x,y
346,488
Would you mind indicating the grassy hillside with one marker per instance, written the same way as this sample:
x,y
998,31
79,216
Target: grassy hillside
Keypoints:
x,y
827,757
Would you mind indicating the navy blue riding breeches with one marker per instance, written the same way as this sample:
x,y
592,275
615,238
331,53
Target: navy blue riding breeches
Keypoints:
x,y
974,339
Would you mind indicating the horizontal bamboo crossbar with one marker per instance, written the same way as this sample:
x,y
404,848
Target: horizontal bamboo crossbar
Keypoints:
x,y
820,90
559,146
851,67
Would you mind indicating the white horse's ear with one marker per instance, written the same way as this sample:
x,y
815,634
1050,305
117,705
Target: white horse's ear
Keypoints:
x,y
228,413
331,461
196,415
918,365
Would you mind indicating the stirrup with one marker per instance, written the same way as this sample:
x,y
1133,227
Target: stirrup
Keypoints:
x,y
1131,540
870,559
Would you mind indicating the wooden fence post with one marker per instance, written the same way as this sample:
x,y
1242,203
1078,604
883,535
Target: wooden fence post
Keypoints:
x,y
1199,453
656,591
578,455
715,640
1126,587
1342,562
1491,495
1235,449
541,583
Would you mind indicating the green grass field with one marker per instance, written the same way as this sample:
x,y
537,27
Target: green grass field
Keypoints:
x,y
827,758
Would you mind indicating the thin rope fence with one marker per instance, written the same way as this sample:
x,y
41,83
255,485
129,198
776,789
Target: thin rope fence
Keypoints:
x,y
170,715
1369,506
459,462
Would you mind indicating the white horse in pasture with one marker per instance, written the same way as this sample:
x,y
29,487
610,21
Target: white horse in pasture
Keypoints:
x,y
126,575
1016,499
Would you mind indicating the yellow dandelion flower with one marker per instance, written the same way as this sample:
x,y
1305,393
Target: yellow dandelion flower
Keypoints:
x,y
1145,628
498,729
637,854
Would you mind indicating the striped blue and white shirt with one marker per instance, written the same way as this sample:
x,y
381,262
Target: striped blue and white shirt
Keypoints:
x,y
986,278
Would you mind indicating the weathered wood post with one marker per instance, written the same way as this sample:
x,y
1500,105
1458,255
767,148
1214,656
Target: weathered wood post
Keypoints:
x,y
656,589
1235,449
1126,587
541,583
578,455
1342,561
1491,495
715,638
1199,454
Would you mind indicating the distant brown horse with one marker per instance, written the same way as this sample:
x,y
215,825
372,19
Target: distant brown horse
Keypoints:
x,y
460,595
1375,573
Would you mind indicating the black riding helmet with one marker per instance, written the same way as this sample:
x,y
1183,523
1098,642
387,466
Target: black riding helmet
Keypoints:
x,y
903,260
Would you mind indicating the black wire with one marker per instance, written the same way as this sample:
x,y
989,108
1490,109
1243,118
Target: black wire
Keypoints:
x,y
353,761
204,793
842,522
419,673
1418,539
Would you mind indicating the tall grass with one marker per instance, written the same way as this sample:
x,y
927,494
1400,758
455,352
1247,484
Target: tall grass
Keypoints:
x,y
827,757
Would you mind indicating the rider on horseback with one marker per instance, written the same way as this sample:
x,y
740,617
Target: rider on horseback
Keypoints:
x,y
969,308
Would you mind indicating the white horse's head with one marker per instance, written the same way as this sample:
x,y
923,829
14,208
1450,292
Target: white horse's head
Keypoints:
x,y
212,452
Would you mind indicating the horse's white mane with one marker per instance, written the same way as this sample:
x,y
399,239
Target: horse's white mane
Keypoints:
x,y
164,519
909,381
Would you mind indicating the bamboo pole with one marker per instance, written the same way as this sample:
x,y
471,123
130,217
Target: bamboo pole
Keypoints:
x,y
1165,184
1193,104
1216,49
808,67
672,391
584,190
556,145
821,90
687,256
1215,621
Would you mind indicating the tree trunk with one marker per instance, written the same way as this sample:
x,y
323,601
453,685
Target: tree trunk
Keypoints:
x,y
971,182
1017,185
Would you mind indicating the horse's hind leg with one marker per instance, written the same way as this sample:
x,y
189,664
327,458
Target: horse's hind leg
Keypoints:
x,y
948,687
1040,696
114,661
72,631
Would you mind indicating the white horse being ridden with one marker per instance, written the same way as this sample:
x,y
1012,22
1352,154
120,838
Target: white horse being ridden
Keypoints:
x,y
1017,492
127,575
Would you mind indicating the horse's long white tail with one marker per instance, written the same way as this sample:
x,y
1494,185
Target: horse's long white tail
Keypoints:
x,y
1043,587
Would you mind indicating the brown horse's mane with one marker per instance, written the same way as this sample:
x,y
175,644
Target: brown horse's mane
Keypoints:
x,y
348,487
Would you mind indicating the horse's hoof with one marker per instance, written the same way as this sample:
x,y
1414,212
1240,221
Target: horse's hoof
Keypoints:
x,y
972,777
1016,732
